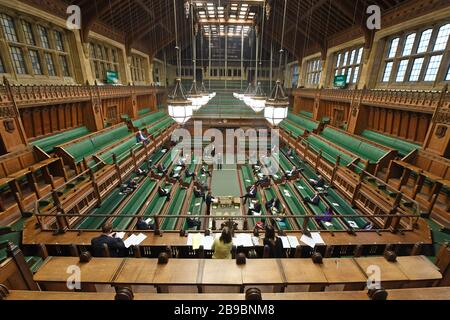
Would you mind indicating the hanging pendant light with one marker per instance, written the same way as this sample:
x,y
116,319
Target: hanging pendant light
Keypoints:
x,y
258,101
277,105
205,92
247,93
180,109
196,97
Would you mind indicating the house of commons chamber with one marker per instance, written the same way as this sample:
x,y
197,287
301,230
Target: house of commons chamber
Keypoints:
x,y
224,150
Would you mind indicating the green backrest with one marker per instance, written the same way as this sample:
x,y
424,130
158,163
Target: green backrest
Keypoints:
x,y
403,147
143,111
303,122
306,114
148,120
47,144
81,149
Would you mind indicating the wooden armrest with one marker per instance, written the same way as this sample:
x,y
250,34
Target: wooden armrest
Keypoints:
x,y
19,174
6,180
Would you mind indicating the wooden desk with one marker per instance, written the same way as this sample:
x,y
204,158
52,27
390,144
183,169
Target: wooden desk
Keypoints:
x,y
304,272
262,272
221,272
54,272
177,272
391,275
137,272
344,271
420,271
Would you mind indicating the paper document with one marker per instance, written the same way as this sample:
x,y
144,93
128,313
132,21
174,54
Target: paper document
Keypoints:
x,y
208,242
255,241
317,238
309,241
293,241
352,224
245,240
197,240
134,240
285,241
149,220
120,235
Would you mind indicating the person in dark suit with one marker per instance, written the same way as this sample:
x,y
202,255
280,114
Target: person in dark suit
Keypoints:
x,y
209,200
204,170
193,223
163,193
255,208
315,200
273,242
198,193
319,183
161,169
115,245
263,181
251,194
291,173
189,174
141,225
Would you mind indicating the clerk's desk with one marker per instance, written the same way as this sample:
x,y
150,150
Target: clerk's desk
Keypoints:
x,y
435,293
201,274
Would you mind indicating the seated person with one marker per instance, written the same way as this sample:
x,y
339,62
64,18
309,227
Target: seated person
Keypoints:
x,y
261,225
254,209
290,152
274,206
315,200
163,193
222,246
198,193
368,226
251,194
143,225
273,242
327,215
281,214
141,172
128,187
319,183
181,162
256,167
115,245
193,223
141,138
263,181
190,174
161,169
204,170
291,173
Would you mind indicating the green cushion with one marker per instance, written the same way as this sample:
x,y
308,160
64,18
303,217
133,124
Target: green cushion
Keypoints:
x,y
147,120
303,122
403,147
49,143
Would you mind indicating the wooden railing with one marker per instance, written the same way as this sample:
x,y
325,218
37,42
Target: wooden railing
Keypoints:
x,y
25,95
423,101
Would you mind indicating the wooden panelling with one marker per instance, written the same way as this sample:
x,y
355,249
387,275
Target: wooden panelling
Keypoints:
x,y
114,108
41,121
407,125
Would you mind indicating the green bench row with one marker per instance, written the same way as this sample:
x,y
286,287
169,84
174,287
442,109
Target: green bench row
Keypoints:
x,y
49,143
362,149
148,120
403,147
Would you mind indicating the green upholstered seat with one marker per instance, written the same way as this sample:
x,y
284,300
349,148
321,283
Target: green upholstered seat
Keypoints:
x,y
356,146
49,143
303,122
402,146
143,112
148,120
328,152
306,114
284,224
295,205
195,209
174,209
97,143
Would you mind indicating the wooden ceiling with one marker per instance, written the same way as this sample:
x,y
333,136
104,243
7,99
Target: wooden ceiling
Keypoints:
x,y
148,25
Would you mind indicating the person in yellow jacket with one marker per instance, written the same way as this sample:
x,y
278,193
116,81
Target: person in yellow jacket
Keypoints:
x,y
222,246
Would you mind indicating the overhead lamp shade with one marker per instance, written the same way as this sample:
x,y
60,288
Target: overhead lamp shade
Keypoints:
x,y
179,108
277,105
197,98
247,94
258,101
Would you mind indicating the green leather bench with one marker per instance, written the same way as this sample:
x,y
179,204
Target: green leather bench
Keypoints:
x,y
284,224
195,209
343,207
306,114
49,143
328,152
95,144
356,146
175,206
295,206
248,180
122,151
305,191
148,120
157,203
402,146
134,204
292,129
190,168
143,112
304,123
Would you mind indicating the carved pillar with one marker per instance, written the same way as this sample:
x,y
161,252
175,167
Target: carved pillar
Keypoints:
x,y
134,104
316,107
358,117
94,119
438,137
11,129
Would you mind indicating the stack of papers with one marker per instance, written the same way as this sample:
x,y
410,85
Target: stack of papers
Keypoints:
x,y
120,235
312,241
134,240
289,242
243,240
